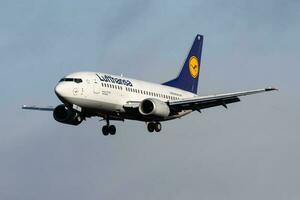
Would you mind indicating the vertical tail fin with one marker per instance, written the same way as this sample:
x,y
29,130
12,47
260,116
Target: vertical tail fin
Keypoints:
x,y
189,74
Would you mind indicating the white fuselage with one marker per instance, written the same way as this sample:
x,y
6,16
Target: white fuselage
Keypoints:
x,y
105,93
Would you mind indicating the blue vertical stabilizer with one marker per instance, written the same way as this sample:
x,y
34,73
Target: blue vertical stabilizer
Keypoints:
x,y
189,74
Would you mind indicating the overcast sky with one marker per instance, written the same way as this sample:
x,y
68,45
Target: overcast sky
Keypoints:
x,y
250,151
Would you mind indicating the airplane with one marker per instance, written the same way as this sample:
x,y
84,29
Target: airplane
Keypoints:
x,y
117,98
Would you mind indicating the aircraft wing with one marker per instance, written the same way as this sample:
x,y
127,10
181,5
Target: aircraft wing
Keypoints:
x,y
48,108
199,103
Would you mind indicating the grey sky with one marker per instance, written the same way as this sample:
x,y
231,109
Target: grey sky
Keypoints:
x,y
250,151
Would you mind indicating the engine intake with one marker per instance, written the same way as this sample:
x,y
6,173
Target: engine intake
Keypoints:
x,y
154,107
66,116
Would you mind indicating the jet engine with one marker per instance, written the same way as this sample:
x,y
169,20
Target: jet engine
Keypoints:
x,y
154,107
66,116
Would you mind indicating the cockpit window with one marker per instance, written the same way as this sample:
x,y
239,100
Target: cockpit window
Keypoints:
x,y
76,80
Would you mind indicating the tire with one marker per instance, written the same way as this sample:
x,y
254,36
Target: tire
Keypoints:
x,y
112,130
157,127
105,130
151,127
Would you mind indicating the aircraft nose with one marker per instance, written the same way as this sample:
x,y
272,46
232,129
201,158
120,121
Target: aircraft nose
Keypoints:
x,y
59,90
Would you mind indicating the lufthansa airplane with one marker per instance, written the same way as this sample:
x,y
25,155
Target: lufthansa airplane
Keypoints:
x,y
111,97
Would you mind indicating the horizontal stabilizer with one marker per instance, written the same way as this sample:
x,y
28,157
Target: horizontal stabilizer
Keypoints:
x,y
48,108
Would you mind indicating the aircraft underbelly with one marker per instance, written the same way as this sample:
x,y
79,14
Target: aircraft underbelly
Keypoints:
x,y
95,104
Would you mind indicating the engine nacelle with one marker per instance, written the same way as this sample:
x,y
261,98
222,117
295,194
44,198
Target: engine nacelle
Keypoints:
x,y
154,107
66,116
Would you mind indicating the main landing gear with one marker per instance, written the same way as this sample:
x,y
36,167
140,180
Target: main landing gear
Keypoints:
x,y
108,129
111,129
154,126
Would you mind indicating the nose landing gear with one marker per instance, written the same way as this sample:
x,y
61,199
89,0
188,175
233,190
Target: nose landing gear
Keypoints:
x,y
154,126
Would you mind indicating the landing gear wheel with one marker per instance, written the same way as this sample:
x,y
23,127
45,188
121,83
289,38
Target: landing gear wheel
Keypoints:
x,y
157,127
105,130
151,127
108,129
112,129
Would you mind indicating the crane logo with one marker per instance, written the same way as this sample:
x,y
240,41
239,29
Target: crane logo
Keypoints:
x,y
194,66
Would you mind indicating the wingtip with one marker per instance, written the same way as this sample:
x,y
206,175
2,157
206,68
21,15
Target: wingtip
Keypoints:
x,y
271,89
199,36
